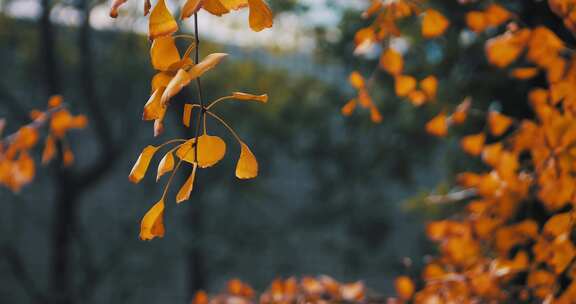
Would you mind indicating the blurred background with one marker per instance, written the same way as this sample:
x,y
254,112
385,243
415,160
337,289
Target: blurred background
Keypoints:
x,y
336,196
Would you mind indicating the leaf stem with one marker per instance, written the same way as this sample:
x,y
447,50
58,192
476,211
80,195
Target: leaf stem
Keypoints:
x,y
218,101
225,125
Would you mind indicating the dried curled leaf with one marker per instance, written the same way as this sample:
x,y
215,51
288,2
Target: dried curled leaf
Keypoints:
x,y
247,166
141,165
166,165
116,4
205,65
187,115
175,85
211,149
245,96
161,22
186,189
152,224
190,7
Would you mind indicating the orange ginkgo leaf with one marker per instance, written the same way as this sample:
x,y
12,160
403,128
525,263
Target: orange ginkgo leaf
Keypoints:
x,y
524,73
438,126
461,113
179,81
261,16
190,7
349,107
154,109
476,21
505,49
206,64
67,157
375,115
391,61
247,166
434,24
404,287
163,53
26,138
152,224
187,114
161,22
404,84
496,15
498,123
141,166
49,150
186,189
211,149
166,165
473,144
492,154
245,96
356,80
55,101
430,86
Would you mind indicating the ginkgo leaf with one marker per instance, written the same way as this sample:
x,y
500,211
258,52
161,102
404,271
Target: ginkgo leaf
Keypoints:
x,y
498,123
438,126
404,85
404,287
473,144
186,189
417,98
430,86
161,80
179,81
476,21
49,150
434,24
211,149
115,6
260,16
349,107
391,61
154,108
161,22
187,114
152,224
496,14
524,73
234,4
205,65
247,166
55,101
245,96
141,165
67,157
163,53
190,8
356,80
215,7
166,165
375,115
461,114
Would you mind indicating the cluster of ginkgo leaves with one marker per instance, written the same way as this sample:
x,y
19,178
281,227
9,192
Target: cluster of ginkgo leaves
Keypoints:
x,y
515,240
174,72
322,289
17,166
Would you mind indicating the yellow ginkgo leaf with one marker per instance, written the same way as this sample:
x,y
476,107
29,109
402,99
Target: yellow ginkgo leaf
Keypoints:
x,y
67,157
247,166
234,4
161,21
154,109
175,85
187,115
166,165
260,15
211,149
160,80
205,65
152,224
438,126
391,61
163,53
186,190
434,24
215,7
49,150
141,165
190,8
245,96
430,86
404,85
